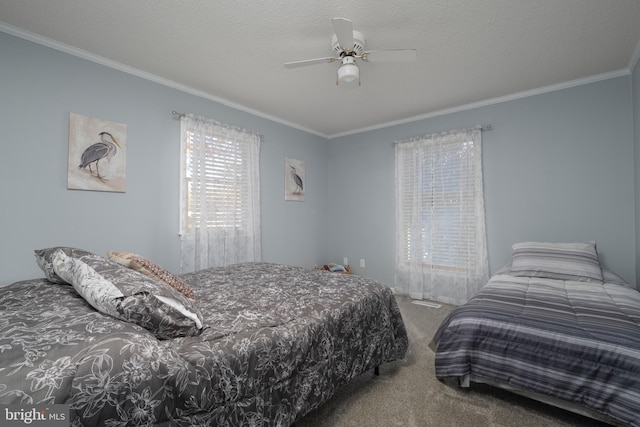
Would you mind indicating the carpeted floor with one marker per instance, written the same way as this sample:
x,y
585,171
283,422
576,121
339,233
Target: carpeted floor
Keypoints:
x,y
407,393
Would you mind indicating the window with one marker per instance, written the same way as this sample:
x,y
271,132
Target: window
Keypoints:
x,y
220,194
217,182
440,208
444,187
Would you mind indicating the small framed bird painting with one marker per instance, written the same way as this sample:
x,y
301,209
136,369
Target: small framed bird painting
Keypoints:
x,y
294,181
97,154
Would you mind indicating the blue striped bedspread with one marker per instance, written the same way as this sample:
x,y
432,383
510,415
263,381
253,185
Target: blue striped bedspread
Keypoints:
x,y
574,341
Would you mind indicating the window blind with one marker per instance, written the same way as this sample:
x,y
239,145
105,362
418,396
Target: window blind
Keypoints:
x,y
217,182
219,194
441,251
437,191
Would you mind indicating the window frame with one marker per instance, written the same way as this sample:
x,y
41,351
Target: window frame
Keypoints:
x,y
421,169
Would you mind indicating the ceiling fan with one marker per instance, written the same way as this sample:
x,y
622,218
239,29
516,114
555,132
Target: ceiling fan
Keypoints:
x,y
348,45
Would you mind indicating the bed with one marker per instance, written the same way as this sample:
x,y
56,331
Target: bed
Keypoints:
x,y
554,325
250,344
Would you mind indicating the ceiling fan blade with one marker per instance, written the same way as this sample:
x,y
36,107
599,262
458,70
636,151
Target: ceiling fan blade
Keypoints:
x,y
390,55
304,63
344,32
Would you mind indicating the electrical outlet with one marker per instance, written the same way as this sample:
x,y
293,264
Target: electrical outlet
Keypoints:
x,y
345,261
362,263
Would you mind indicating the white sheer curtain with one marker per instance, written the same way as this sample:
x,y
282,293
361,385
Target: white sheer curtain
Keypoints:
x,y
441,250
219,194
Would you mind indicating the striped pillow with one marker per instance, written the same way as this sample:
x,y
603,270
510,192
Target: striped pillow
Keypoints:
x,y
563,261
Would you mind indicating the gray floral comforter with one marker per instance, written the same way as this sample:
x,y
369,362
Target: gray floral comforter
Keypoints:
x,y
278,342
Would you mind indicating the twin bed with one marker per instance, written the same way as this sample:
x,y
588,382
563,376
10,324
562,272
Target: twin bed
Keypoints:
x,y
250,344
553,325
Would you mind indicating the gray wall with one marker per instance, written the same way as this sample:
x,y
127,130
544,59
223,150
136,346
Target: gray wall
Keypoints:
x,y
557,167
40,86
636,135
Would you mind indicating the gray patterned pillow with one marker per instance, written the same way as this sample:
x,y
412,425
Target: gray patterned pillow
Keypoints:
x,y
43,259
124,293
563,261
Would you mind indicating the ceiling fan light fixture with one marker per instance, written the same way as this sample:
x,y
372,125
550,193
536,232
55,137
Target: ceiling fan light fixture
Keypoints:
x,y
348,72
347,45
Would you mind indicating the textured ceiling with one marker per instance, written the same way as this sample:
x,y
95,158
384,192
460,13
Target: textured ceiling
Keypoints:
x,y
469,51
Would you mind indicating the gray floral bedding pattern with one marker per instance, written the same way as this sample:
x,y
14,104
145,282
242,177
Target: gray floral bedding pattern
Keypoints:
x,y
277,342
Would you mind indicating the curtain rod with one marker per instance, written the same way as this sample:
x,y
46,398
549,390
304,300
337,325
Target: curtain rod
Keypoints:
x,y
181,115
482,128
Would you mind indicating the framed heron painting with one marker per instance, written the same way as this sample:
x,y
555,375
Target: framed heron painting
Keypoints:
x,y
97,154
294,182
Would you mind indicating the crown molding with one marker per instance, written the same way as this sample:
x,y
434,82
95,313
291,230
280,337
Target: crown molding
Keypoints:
x,y
492,101
62,47
36,38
